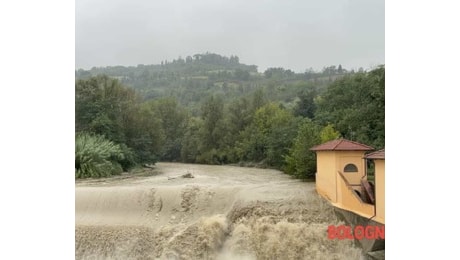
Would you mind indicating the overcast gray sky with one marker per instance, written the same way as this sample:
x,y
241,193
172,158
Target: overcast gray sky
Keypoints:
x,y
294,34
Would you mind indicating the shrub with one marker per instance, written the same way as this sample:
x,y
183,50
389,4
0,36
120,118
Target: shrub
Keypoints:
x,y
96,156
129,159
301,162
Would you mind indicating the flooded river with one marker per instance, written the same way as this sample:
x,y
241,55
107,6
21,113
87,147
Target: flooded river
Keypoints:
x,y
224,212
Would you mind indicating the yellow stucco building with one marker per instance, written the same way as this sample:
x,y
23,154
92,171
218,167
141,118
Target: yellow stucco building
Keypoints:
x,y
341,178
378,158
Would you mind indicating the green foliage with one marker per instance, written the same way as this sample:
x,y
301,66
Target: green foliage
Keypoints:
x,y
106,107
355,105
258,99
278,73
96,156
269,136
129,158
239,115
191,80
301,162
191,142
102,104
173,119
212,156
306,106
213,127
212,109
328,133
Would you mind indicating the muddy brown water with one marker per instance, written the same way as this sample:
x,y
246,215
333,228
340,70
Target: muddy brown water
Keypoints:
x,y
224,213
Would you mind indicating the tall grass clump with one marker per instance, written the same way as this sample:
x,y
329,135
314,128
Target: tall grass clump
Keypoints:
x,y
96,156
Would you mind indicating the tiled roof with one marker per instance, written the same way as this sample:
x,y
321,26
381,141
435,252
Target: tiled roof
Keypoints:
x,y
380,154
342,145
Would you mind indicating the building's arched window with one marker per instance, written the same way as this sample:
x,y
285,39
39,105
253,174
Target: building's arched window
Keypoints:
x,y
350,168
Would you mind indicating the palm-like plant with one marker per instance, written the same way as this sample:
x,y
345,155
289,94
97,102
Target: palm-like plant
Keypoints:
x,y
96,156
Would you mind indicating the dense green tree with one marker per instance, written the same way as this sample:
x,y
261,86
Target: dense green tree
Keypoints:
x,y
105,107
213,126
301,162
239,115
258,99
355,105
328,133
306,106
191,146
102,105
269,136
278,73
144,134
242,74
173,120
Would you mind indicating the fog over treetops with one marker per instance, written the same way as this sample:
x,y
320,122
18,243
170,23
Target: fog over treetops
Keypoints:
x,y
295,35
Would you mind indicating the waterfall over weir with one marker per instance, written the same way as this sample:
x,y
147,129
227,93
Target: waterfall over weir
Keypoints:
x,y
224,212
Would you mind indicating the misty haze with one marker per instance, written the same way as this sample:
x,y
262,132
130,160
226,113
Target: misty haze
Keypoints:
x,y
295,35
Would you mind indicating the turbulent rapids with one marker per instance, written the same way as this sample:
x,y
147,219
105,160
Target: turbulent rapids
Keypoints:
x,y
224,212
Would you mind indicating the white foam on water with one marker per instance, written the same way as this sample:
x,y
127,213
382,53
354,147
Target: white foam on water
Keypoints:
x,y
226,213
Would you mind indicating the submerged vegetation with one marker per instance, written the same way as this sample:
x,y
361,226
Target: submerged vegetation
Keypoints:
x,y
214,110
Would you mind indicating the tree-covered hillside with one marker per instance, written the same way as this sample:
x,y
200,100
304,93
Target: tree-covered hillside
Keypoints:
x,y
192,79
212,109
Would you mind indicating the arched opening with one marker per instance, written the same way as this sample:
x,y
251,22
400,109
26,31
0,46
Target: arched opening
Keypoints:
x,y
350,168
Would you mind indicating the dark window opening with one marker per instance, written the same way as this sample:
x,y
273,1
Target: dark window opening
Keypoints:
x,y
350,168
